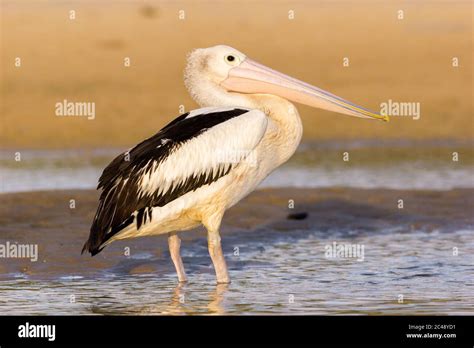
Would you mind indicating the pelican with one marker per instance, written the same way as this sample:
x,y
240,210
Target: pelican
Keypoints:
x,y
206,160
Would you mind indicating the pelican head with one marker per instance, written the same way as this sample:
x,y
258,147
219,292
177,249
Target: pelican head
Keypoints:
x,y
222,75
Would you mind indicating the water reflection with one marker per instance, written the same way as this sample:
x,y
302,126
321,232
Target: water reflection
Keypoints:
x,y
216,297
177,303
183,300
431,278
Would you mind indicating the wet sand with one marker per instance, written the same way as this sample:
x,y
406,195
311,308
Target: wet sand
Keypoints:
x,y
45,218
276,257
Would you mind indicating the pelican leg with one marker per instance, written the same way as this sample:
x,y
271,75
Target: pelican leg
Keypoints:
x,y
215,251
174,243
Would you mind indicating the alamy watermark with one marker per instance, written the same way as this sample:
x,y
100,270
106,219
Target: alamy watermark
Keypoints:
x,y
237,156
28,330
343,251
21,251
394,108
67,108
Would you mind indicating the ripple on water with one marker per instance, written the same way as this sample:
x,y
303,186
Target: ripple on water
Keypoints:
x,y
289,276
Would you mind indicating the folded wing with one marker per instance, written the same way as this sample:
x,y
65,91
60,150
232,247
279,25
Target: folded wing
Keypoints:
x,y
193,150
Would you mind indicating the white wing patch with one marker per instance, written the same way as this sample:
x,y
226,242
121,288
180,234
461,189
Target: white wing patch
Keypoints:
x,y
218,148
211,109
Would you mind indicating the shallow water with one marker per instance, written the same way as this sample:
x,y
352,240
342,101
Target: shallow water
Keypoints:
x,y
418,260
396,164
275,275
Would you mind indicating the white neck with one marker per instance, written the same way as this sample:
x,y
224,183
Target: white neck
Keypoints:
x,y
207,93
287,127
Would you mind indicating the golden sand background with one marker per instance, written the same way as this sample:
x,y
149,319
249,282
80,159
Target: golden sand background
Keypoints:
x,y
407,60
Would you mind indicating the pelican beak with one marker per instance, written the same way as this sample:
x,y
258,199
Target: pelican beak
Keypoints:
x,y
252,77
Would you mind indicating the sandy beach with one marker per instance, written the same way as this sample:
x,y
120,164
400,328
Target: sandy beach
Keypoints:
x,y
82,60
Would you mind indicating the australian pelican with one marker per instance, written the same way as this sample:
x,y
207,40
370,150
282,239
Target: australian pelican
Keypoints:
x,y
206,160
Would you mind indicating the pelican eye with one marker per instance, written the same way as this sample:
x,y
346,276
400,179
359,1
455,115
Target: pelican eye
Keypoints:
x,y
231,59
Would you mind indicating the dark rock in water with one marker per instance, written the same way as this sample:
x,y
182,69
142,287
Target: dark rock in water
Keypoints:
x,y
45,219
297,216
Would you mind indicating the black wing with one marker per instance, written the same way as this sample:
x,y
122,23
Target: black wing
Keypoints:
x,y
121,203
